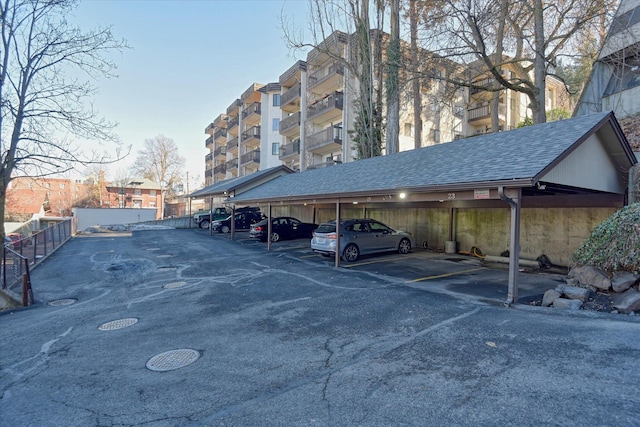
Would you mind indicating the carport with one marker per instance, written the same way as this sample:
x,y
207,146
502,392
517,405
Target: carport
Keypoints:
x,y
583,161
230,188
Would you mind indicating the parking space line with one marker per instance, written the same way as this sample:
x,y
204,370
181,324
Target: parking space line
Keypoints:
x,y
421,279
375,261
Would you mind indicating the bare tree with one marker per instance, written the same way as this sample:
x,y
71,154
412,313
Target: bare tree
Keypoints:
x,y
393,81
415,65
160,162
42,95
534,35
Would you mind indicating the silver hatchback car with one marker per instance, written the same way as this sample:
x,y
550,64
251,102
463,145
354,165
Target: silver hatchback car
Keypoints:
x,y
359,237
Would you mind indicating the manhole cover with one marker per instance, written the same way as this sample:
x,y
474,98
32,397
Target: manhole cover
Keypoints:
x,y
174,285
164,256
59,302
118,324
173,359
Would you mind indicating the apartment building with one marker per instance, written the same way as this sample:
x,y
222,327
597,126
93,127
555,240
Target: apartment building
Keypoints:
x,y
293,101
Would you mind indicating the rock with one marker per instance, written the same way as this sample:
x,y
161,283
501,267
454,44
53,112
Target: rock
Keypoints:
x,y
573,292
567,304
572,282
623,281
590,276
627,301
549,297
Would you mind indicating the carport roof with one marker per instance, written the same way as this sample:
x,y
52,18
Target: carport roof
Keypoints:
x,y
517,158
241,183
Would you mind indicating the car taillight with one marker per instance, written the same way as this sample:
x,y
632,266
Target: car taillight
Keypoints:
x,y
332,236
259,228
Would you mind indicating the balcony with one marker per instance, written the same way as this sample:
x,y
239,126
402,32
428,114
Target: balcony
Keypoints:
x,y
251,136
208,157
232,125
231,164
208,173
290,124
482,115
232,145
290,100
325,141
220,135
251,114
209,142
326,79
220,169
250,157
209,128
289,150
221,151
327,109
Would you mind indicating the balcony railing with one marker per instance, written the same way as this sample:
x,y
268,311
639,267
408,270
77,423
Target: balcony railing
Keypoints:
x,y
335,100
291,94
330,135
289,122
220,169
250,157
208,173
484,111
290,149
232,143
233,122
208,157
208,142
220,151
325,73
220,133
231,164
252,132
251,109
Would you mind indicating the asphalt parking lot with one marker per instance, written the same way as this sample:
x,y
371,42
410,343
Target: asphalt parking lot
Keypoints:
x,y
179,328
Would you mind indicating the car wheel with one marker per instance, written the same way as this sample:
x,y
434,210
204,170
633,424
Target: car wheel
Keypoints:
x,y
204,224
275,237
225,229
404,247
351,253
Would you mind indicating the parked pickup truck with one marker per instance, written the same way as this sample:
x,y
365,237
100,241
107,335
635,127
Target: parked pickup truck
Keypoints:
x,y
217,214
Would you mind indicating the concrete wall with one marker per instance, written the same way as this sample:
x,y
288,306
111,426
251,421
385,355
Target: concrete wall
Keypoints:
x,y
555,232
88,217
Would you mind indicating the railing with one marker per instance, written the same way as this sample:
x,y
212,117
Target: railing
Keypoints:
x,y
484,111
292,93
233,122
326,136
219,133
332,101
252,132
251,156
289,149
19,255
208,142
232,143
289,122
220,151
220,169
231,164
251,109
208,173
208,157
324,73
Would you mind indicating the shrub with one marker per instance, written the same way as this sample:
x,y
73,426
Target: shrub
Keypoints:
x,y
614,245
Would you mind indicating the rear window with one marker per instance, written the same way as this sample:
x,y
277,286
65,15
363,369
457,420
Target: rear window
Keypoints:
x,y
326,228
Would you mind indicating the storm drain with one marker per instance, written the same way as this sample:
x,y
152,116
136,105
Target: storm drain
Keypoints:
x,y
174,285
173,359
118,324
65,301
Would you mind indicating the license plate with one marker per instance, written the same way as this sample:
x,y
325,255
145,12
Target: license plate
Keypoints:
x,y
321,239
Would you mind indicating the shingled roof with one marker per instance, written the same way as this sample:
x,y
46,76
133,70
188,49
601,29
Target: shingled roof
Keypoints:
x,y
517,158
237,184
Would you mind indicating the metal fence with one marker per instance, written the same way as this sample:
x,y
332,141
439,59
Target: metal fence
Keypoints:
x,y
19,255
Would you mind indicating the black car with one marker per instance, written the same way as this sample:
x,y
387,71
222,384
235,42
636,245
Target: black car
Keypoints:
x,y
243,221
283,227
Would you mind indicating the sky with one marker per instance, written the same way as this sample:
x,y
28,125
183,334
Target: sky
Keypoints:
x,y
189,60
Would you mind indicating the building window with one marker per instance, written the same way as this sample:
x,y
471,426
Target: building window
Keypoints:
x,y
275,148
137,192
408,129
152,204
435,135
276,100
152,193
275,125
62,186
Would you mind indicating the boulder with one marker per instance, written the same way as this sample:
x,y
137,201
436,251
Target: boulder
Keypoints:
x,y
627,302
573,292
590,276
623,281
549,297
567,304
